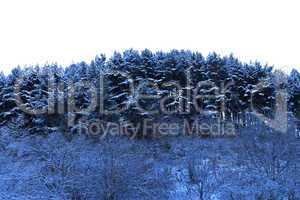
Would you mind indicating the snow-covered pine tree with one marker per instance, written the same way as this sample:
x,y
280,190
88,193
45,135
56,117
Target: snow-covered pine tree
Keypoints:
x,y
149,62
8,104
33,100
294,92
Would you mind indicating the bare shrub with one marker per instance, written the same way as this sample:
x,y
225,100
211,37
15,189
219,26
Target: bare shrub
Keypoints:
x,y
203,178
270,162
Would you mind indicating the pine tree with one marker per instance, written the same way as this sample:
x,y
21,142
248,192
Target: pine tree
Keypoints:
x,y
294,92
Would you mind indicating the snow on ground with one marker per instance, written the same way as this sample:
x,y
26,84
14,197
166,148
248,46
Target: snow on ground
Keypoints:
x,y
52,168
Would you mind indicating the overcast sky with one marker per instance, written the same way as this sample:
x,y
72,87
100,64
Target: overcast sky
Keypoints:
x,y
63,31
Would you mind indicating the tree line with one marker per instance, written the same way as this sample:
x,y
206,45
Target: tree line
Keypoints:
x,y
135,85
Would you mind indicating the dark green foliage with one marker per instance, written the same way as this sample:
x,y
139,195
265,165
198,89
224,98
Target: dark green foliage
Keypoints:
x,y
189,84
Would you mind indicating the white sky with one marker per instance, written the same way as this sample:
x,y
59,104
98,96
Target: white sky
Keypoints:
x,y
63,31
